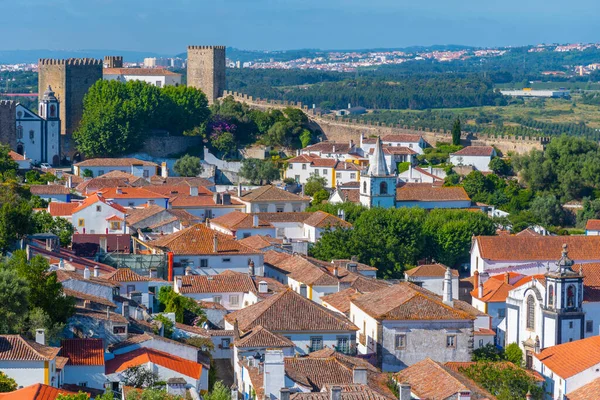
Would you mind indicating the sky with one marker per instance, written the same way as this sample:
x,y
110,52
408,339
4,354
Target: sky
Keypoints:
x,y
167,27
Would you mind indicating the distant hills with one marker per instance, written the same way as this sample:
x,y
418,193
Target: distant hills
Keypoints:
x,y
32,56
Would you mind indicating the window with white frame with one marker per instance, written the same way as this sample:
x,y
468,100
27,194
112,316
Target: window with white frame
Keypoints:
x,y
234,300
343,344
451,341
217,299
316,343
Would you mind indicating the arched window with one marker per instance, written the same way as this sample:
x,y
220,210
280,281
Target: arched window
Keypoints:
x,y
383,188
571,296
365,187
52,110
551,296
530,312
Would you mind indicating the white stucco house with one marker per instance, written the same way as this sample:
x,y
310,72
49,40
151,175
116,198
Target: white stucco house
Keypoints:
x,y
29,362
85,367
270,198
431,277
101,166
475,156
96,214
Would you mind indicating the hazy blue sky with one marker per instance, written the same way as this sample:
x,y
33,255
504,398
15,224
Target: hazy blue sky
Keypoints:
x,y
169,26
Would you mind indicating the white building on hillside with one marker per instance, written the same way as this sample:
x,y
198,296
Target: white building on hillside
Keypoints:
x,y
475,156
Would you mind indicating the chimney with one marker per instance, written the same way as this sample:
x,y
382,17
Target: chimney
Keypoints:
x,y
86,273
349,106
251,270
404,392
239,189
119,190
150,202
476,279
303,290
529,396
178,284
464,395
96,271
153,272
447,292
255,221
263,287
234,392
480,290
431,169
359,376
188,271
40,336
352,266
69,182
336,272
333,149
215,244
236,329
336,393
125,309
410,172
193,190
284,394
507,278
342,214
483,277
164,170
217,198
273,373
225,199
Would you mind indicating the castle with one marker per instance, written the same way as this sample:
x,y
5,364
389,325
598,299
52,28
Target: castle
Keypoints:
x,y
70,79
206,70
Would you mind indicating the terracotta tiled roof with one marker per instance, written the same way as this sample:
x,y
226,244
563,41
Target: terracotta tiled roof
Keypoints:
x,y
137,215
593,225
320,219
260,242
586,392
63,275
483,151
185,217
83,351
349,392
429,192
302,159
256,378
91,298
287,312
96,184
430,270
16,156
528,232
100,315
308,270
187,201
182,189
407,138
199,239
350,195
95,198
143,356
48,189
260,337
591,281
137,338
58,209
180,180
431,380
239,220
37,391
359,266
125,275
221,283
494,291
425,172
406,301
114,162
341,300
324,162
138,71
130,193
17,348
401,150
571,358
61,362
327,147
271,193
530,248
456,366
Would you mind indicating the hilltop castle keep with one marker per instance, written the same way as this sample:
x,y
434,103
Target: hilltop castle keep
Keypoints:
x,y
206,70
70,79
113,61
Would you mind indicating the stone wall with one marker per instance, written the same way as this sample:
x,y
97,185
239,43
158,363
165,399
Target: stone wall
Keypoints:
x,y
8,133
206,70
343,130
165,146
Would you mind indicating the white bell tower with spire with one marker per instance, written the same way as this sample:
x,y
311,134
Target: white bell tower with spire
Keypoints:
x,y
377,185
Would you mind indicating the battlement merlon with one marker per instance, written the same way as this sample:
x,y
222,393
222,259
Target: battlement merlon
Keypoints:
x,y
206,47
70,61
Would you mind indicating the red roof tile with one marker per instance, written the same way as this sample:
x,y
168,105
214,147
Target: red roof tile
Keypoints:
x,y
17,348
593,225
16,156
143,356
83,351
586,392
429,192
39,190
408,138
130,193
36,391
139,72
535,248
481,151
58,209
571,358
430,270
271,193
260,337
239,220
95,198
224,282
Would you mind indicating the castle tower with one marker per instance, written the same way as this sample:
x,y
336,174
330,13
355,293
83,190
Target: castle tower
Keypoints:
x,y
206,70
377,186
563,303
70,79
113,62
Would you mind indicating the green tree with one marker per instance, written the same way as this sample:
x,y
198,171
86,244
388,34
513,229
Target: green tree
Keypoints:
x,y
180,305
7,384
44,289
500,166
514,354
547,210
140,377
152,394
87,173
108,395
313,184
186,108
590,210
14,295
43,222
6,162
188,166
224,142
167,325
219,392
449,234
306,138
489,352
504,380
351,210
320,196
259,171
456,131
15,215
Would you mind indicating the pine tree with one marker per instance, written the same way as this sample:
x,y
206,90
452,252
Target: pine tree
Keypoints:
x,y
456,129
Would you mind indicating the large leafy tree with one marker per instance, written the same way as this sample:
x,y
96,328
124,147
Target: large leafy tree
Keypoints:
x,y
15,215
44,222
171,302
504,380
259,171
188,166
219,392
187,108
7,384
313,184
6,162
14,297
456,131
